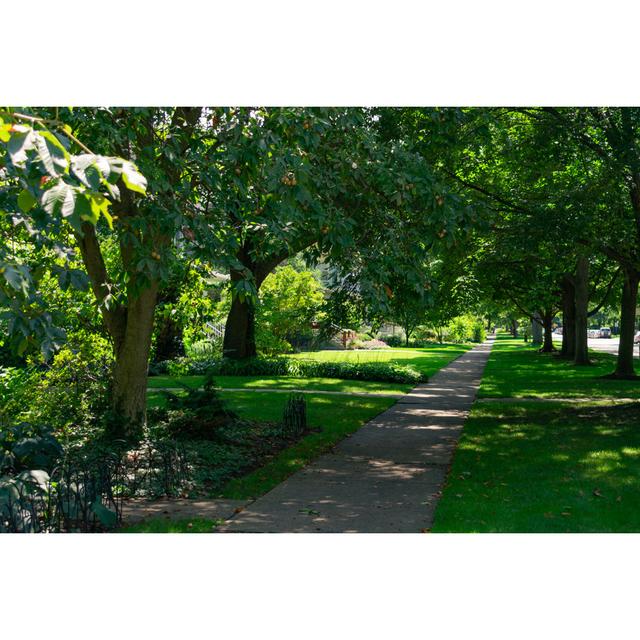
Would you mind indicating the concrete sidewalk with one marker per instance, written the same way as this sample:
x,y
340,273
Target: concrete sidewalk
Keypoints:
x,y
387,477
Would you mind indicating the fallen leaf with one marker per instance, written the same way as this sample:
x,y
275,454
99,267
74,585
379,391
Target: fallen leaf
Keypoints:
x,y
596,492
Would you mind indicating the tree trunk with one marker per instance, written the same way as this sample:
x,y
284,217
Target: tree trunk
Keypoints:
x,y
240,328
169,343
514,328
547,320
568,317
581,355
536,329
129,397
407,335
624,367
240,332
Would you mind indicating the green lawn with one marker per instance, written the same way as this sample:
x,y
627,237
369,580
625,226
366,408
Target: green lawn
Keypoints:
x,y
162,525
517,370
281,382
546,467
427,360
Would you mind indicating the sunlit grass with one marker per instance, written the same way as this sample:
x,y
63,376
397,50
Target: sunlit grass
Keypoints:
x,y
164,525
281,382
544,466
426,360
518,370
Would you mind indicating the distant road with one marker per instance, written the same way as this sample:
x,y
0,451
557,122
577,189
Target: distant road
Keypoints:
x,y
607,345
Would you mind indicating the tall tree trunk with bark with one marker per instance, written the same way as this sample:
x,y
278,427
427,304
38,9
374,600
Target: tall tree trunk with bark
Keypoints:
x,y
581,355
240,332
131,350
536,329
624,366
240,328
568,317
547,321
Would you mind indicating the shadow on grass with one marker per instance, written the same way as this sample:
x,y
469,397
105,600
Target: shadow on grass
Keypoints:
x,y
546,468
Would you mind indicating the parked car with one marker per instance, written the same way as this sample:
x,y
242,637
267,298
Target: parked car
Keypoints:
x,y
636,338
605,332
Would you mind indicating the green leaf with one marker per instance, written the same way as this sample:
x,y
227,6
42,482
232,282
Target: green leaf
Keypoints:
x,y
133,179
52,154
107,517
26,201
59,199
22,141
17,276
91,170
100,206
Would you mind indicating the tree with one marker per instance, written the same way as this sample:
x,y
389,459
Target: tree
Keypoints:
x,y
289,301
608,139
319,181
142,231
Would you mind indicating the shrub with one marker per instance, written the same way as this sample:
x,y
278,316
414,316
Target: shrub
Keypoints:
x,y
426,335
269,344
27,446
198,414
479,332
294,418
205,349
393,341
374,371
282,366
466,328
396,341
14,384
373,344
72,396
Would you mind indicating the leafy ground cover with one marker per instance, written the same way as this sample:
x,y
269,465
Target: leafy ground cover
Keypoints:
x,y
330,419
546,466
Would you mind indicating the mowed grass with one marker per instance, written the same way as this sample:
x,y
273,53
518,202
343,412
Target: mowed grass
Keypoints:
x,y
281,382
162,525
517,370
545,468
331,417
427,360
